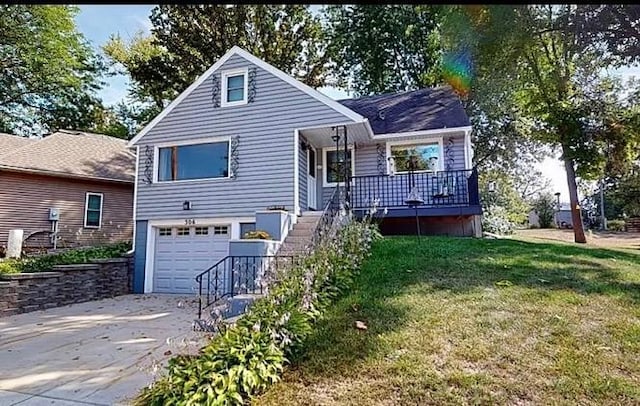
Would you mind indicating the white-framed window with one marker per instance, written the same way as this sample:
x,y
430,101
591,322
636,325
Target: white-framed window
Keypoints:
x,y
428,154
220,230
234,87
331,170
164,231
193,161
181,231
202,230
93,210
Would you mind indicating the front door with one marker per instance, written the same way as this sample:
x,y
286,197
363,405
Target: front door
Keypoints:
x,y
312,186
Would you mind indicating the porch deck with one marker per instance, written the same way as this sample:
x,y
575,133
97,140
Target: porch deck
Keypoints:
x,y
445,193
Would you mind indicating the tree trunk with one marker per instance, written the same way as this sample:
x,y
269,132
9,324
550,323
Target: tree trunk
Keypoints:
x,y
576,212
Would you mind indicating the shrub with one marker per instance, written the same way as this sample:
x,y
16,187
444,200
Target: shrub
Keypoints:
x,y
544,205
74,256
257,235
251,355
616,225
495,219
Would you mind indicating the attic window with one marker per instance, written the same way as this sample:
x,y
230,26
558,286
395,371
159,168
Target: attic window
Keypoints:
x,y
234,87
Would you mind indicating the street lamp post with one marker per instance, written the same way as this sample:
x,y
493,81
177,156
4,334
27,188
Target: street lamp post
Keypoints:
x,y
557,213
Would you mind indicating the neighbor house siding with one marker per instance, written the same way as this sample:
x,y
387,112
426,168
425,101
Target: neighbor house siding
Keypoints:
x,y
25,200
140,256
265,130
303,173
366,158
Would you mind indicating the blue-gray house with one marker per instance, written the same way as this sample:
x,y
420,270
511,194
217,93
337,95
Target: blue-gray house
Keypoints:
x,y
245,137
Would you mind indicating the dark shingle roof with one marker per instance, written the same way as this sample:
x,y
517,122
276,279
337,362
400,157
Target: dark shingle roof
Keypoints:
x,y
417,110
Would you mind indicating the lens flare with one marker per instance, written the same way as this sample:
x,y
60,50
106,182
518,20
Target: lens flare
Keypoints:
x,y
457,71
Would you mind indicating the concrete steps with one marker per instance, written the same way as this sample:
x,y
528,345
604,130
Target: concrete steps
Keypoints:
x,y
300,236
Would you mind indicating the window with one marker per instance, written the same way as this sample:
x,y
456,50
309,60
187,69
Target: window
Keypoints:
x,y
234,87
202,230
164,231
220,230
183,231
428,155
333,169
195,161
93,210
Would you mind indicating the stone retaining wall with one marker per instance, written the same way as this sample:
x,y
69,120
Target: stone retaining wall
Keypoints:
x,y
65,284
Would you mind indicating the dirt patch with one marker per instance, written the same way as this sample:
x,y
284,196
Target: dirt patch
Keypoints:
x,y
604,239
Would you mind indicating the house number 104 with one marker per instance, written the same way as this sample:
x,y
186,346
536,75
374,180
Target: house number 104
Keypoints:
x,y
189,222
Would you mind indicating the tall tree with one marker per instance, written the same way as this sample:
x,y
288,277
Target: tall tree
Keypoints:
x,y
187,39
558,87
49,73
384,48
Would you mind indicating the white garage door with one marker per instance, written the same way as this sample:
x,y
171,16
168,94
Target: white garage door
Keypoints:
x,y
183,252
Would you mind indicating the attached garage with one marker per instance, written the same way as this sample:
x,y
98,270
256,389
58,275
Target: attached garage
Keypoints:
x,y
181,253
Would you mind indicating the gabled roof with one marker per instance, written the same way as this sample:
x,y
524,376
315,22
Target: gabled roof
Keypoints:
x,y
236,50
71,153
9,142
417,110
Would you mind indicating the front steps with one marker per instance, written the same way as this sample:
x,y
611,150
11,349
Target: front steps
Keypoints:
x,y
300,236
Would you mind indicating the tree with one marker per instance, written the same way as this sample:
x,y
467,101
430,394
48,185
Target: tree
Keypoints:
x,y
384,48
557,86
49,72
187,39
544,206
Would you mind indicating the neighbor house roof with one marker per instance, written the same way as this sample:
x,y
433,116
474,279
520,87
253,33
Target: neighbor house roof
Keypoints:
x,y
417,110
70,153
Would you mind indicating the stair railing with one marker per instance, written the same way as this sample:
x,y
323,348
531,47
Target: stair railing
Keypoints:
x,y
325,226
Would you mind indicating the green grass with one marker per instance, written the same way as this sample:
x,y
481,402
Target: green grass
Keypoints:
x,y
468,321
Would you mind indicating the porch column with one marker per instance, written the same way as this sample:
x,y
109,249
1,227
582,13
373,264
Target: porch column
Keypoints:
x,y
347,168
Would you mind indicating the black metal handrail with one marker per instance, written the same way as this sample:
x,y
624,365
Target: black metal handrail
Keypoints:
x,y
234,275
439,188
325,223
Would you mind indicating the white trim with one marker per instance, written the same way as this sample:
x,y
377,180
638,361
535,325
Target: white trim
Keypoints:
x,y
468,150
234,222
135,199
324,164
86,206
213,140
261,64
432,140
296,172
225,83
438,131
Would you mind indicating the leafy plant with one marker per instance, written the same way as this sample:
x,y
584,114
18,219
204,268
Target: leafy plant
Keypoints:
x,y
544,205
251,355
257,235
495,219
613,225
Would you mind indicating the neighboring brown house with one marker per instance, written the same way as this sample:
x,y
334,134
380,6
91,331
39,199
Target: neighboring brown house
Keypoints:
x,y
87,178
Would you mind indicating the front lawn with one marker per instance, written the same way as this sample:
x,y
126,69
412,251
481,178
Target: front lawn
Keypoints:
x,y
467,321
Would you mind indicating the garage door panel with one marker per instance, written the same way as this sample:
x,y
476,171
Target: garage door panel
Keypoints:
x,y
179,258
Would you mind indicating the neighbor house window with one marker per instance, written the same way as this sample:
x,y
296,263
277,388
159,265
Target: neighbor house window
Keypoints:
x,y
428,155
333,168
196,161
93,210
234,87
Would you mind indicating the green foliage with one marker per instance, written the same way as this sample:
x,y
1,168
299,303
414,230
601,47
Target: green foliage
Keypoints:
x,y
187,39
544,205
49,71
499,195
616,225
251,355
495,219
74,256
257,235
384,48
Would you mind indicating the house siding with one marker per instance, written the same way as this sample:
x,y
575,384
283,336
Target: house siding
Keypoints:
x,y
366,158
25,200
140,256
265,131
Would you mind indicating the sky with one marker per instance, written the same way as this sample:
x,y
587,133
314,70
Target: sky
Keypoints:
x,y
99,22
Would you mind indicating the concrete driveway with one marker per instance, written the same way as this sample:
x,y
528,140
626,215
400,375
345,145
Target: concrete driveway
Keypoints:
x,y
93,353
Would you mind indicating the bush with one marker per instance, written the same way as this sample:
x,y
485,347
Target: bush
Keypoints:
x,y
495,219
544,205
257,235
74,256
251,355
616,225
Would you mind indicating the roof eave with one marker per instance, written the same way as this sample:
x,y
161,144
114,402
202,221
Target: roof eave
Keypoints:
x,y
63,174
